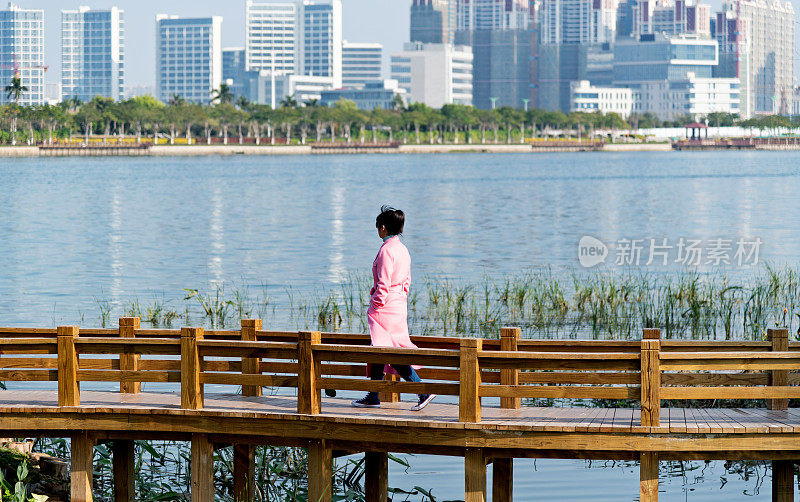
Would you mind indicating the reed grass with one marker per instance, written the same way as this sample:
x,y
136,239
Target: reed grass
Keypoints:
x,y
594,305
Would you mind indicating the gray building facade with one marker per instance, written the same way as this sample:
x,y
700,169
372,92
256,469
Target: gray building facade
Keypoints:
x,y
501,66
433,21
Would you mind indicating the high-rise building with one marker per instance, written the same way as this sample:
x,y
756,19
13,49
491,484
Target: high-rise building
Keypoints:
x,y
233,62
501,38
578,21
361,63
501,74
671,17
434,74
757,42
188,57
92,53
302,37
493,14
22,52
271,32
320,53
233,69
673,76
433,21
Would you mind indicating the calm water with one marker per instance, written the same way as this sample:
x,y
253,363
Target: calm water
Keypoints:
x,y
76,230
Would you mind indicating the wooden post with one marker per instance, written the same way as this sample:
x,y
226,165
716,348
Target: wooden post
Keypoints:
x,y
502,480
202,469
309,395
390,397
648,477
650,382
469,402
81,454
191,388
778,378
129,362
376,476
782,481
651,334
508,342
320,470
250,365
124,461
69,392
244,473
474,475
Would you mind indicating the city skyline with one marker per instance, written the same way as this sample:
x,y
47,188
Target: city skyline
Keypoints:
x,y
382,21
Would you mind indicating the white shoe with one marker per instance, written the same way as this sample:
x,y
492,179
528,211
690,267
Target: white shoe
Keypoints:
x,y
424,400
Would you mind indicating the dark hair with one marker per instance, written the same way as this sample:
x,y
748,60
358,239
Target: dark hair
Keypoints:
x,y
391,218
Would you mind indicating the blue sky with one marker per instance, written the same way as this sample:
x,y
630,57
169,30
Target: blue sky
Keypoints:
x,y
384,21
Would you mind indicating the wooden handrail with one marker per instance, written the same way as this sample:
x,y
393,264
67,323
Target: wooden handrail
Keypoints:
x,y
509,368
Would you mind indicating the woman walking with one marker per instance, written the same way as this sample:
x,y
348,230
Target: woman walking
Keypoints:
x,y
388,308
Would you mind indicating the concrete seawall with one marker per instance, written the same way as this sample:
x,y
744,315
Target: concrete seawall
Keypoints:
x,y
19,151
233,149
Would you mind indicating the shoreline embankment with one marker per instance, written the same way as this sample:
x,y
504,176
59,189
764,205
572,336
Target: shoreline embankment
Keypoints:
x,y
253,150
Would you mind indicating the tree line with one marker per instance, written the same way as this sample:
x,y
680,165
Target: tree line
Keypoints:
x,y
231,120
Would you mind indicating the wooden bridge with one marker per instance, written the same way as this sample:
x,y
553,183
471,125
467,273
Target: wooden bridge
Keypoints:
x,y
641,373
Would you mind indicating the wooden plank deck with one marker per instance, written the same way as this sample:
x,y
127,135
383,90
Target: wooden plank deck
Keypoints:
x,y
437,415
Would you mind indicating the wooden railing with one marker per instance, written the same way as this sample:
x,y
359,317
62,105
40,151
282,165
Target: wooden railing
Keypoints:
x,y
648,370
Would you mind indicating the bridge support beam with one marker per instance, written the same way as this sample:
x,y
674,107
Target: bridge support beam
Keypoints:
x,y
81,454
320,471
502,480
782,481
124,475
202,468
648,477
244,472
474,475
376,480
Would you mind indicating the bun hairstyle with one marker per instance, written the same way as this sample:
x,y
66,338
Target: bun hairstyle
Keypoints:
x,y
391,218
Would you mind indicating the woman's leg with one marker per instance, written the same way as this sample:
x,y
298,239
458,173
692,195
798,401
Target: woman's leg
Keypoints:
x,y
407,372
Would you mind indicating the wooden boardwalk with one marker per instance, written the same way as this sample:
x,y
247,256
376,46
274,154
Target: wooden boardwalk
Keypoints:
x,y
715,421
463,422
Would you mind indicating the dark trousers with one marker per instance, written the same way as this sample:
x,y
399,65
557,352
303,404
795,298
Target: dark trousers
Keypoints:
x,y
404,370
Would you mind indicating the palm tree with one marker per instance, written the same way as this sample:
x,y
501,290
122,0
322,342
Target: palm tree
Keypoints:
x,y
288,102
222,95
243,103
177,100
15,90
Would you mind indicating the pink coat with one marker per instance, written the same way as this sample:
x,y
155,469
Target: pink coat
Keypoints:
x,y
388,306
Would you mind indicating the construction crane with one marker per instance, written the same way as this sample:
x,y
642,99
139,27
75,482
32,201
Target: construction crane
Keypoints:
x,y
16,67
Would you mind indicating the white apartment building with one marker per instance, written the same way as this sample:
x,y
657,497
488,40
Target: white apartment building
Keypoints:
x,y
585,97
361,63
695,96
302,37
578,21
22,51
271,35
434,74
188,57
760,38
92,53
